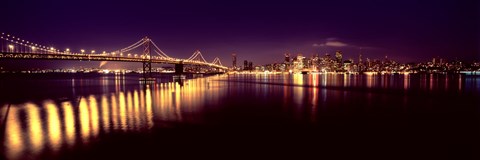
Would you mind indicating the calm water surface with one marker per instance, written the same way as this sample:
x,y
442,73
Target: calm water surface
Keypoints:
x,y
94,116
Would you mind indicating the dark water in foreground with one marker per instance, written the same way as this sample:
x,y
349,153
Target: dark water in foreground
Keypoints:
x,y
93,116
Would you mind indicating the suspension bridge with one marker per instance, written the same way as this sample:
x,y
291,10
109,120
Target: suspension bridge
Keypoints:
x,y
144,51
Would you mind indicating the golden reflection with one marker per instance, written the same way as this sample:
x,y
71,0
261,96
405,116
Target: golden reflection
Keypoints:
x,y
142,104
164,102
136,99
84,119
69,122
298,90
285,89
136,107
178,99
54,130
370,80
105,114
148,101
194,95
14,143
314,97
113,101
123,113
35,130
49,127
314,79
406,81
94,119
131,113
142,100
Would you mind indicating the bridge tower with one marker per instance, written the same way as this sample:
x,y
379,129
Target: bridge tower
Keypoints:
x,y
147,63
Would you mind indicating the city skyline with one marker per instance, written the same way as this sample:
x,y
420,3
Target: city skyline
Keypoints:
x,y
256,31
314,62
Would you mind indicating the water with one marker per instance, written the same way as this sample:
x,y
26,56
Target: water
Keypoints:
x,y
95,116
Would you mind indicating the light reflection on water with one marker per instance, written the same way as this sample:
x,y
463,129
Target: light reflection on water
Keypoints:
x,y
432,82
52,125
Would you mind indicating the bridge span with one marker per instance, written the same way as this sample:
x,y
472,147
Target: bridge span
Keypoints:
x,y
12,47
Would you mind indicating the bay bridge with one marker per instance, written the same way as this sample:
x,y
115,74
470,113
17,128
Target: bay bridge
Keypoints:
x,y
144,51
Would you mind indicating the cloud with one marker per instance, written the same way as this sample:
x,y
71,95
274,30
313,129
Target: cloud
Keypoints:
x,y
331,42
336,44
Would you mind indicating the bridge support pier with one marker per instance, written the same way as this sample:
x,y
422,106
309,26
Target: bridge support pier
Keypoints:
x,y
147,70
179,68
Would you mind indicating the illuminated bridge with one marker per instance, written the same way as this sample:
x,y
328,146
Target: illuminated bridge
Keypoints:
x,y
144,51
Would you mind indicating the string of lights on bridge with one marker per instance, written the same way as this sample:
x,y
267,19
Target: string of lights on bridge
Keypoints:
x,y
30,47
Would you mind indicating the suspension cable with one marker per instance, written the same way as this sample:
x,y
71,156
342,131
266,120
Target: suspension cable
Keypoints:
x,y
159,50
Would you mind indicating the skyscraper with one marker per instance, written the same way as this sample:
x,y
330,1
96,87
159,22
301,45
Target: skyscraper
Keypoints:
x,y
360,63
245,65
339,56
287,61
339,59
234,61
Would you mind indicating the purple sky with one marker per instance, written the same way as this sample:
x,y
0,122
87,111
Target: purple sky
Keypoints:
x,y
259,31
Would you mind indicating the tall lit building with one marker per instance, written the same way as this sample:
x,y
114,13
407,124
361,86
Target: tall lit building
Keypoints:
x,y
315,62
299,62
339,59
369,63
234,61
360,63
287,61
245,65
339,56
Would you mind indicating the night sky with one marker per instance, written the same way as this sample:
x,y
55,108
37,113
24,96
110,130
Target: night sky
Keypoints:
x,y
259,31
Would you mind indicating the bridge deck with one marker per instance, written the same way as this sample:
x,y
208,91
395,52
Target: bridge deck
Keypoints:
x,y
90,57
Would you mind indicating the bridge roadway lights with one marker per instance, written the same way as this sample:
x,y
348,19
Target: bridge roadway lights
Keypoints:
x,y
179,68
